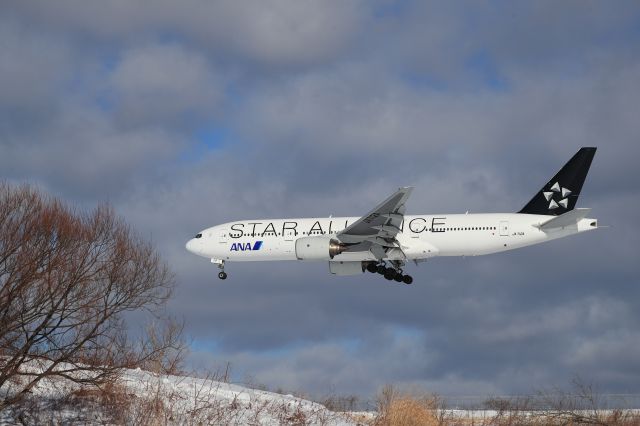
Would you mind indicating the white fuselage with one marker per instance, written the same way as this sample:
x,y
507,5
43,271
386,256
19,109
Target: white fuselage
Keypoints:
x,y
421,236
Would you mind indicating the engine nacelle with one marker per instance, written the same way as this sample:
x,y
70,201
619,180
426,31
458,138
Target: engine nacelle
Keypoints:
x,y
318,248
346,268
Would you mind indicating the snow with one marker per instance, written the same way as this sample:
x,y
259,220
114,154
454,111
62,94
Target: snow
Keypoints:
x,y
143,397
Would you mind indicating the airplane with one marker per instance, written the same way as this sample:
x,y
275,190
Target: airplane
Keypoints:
x,y
384,240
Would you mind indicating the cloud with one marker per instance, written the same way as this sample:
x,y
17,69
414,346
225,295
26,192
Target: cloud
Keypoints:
x,y
163,83
34,66
84,154
274,33
187,115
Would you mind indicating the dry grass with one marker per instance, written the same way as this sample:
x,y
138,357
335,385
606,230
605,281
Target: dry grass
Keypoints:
x,y
396,408
408,411
401,408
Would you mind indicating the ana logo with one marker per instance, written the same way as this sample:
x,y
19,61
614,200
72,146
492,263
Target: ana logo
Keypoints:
x,y
557,193
246,246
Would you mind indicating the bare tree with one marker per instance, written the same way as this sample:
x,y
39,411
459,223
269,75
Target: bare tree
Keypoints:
x,y
66,280
583,405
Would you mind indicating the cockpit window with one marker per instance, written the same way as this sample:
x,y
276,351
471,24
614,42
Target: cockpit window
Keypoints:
x,y
198,235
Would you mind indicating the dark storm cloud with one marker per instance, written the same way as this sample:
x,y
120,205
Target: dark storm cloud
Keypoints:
x,y
187,115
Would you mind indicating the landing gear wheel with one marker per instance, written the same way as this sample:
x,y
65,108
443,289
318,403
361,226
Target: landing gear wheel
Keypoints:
x,y
222,275
381,269
389,274
407,279
398,277
372,267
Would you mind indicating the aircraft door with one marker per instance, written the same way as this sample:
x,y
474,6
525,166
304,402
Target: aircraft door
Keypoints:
x,y
223,235
504,228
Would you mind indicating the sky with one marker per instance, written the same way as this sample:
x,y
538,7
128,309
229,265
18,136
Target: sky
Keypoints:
x,y
187,114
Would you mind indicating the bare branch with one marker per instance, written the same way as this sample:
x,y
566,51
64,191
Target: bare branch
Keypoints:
x,y
66,280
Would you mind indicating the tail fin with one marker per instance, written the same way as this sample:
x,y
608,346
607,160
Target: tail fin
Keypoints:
x,y
561,193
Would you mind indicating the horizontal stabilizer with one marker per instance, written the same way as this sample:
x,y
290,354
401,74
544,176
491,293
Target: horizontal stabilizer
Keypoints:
x,y
567,219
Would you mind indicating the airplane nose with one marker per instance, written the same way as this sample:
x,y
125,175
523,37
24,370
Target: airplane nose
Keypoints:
x,y
190,246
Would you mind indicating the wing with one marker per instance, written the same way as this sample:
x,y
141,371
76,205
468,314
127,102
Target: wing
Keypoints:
x,y
377,229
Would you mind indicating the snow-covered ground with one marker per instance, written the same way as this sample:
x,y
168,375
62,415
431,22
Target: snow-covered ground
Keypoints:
x,y
144,398
231,404
141,397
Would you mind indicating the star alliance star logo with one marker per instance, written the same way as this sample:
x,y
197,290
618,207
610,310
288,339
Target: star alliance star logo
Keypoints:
x,y
560,192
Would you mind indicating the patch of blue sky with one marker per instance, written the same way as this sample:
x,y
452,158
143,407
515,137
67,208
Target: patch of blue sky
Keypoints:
x,y
388,9
109,62
104,99
76,84
82,82
167,36
213,137
423,81
205,140
408,332
635,28
235,93
208,345
482,65
281,351
350,345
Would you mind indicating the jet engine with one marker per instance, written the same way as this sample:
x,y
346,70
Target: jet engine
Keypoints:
x,y
318,248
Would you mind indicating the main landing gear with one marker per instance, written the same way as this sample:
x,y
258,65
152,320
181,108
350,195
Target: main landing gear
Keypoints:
x,y
390,273
222,274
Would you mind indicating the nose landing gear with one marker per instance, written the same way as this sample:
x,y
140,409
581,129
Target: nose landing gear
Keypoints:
x,y
222,274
